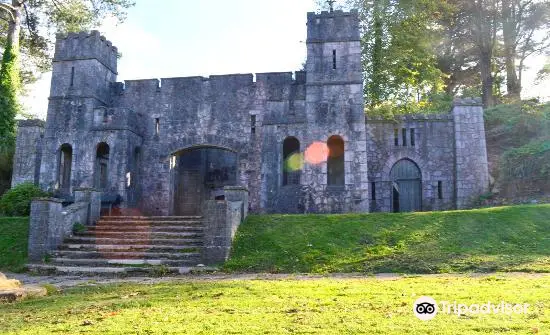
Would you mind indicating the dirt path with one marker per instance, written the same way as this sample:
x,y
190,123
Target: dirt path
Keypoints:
x,y
71,281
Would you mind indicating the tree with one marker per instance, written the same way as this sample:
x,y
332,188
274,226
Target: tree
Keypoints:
x,y
399,59
523,28
41,19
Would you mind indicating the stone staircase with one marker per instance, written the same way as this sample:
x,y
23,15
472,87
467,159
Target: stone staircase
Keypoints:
x,y
130,245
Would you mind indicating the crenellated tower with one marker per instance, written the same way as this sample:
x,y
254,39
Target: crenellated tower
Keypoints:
x,y
334,109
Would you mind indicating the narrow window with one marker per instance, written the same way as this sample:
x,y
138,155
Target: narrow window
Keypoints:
x,y
253,124
292,161
413,142
157,126
373,191
396,136
404,137
335,162
72,76
64,169
102,162
334,59
440,189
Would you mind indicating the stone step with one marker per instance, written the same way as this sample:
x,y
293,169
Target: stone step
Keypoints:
x,y
112,271
62,261
135,241
80,254
145,228
150,218
103,222
129,247
151,235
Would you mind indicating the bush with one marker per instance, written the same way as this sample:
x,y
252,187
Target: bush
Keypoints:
x,y
17,201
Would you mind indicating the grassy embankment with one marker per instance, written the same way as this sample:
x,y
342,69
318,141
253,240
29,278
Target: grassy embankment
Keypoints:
x,y
491,239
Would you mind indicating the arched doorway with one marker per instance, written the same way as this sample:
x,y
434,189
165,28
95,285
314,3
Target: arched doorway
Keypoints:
x,y
406,181
200,174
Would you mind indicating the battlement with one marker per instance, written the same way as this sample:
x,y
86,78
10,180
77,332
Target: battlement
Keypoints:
x,y
84,45
235,80
31,123
467,101
411,118
336,26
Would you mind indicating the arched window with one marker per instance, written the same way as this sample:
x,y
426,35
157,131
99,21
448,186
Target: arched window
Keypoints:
x,y
335,161
101,166
64,168
291,161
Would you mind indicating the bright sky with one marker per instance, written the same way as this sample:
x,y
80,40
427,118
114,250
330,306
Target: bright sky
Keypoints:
x,y
179,38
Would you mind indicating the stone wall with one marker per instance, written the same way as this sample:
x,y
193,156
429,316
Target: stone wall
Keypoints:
x,y
28,153
472,172
146,123
433,153
51,223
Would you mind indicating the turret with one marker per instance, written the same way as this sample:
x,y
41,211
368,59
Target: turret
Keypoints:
x,y
84,65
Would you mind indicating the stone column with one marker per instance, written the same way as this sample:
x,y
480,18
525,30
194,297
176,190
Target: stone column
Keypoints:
x,y
472,172
28,152
238,193
93,198
43,233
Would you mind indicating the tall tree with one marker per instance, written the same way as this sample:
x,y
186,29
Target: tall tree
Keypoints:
x,y
524,27
41,19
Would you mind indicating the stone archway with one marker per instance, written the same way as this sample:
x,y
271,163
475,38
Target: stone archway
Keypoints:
x,y
199,173
406,184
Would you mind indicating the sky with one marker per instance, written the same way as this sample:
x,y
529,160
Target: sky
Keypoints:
x,y
183,38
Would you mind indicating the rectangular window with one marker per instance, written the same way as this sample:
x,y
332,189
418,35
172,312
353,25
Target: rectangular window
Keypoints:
x,y
413,141
72,76
440,189
373,191
404,137
253,124
396,136
334,59
157,126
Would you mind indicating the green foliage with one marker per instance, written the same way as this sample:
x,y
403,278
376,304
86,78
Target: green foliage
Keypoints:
x,y
17,201
399,58
490,239
14,234
6,166
434,104
9,92
528,161
79,227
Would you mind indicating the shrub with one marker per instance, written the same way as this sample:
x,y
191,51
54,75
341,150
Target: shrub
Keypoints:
x,y
17,201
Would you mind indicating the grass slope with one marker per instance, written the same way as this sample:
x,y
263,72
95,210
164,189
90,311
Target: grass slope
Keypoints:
x,y
13,243
492,239
310,306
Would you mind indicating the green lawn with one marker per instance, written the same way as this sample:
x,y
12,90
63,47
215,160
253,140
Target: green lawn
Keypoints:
x,y
492,239
315,306
13,243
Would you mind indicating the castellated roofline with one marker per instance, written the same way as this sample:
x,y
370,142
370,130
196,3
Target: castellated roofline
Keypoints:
x,y
266,78
86,45
467,101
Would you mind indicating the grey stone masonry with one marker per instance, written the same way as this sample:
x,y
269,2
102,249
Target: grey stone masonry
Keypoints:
x,y
298,142
472,172
28,153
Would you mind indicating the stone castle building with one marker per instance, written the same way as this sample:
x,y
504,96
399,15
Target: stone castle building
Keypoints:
x,y
299,142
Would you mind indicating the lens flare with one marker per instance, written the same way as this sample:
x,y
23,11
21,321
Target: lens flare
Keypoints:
x,y
316,153
294,162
